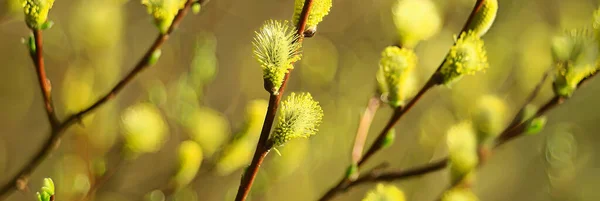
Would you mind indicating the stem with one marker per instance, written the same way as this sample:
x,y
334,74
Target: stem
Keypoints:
x,y
44,82
398,113
19,181
263,147
363,128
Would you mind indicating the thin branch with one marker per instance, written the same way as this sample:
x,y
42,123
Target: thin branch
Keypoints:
x,y
373,176
263,147
530,98
19,181
399,112
101,180
44,82
363,128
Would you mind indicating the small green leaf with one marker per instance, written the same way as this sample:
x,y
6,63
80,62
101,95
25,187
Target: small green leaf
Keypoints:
x,y
196,8
389,139
31,45
47,25
535,125
47,190
154,57
352,172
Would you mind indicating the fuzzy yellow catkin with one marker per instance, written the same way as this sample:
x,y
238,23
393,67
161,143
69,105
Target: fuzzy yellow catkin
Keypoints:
x,y
319,9
163,12
459,194
276,47
484,18
415,21
576,58
36,12
462,147
190,159
383,192
489,118
466,57
395,77
300,117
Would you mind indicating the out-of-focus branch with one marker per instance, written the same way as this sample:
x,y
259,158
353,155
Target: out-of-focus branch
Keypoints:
x,y
19,181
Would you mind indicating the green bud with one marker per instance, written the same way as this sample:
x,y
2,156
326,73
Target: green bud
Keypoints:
x,y
576,56
395,74
154,57
466,57
489,118
31,45
47,190
462,148
384,192
484,18
163,12
276,48
318,10
196,8
352,172
190,159
36,12
389,139
535,125
459,194
47,25
416,20
300,117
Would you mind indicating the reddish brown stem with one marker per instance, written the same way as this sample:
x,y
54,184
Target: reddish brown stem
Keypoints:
x,y
398,113
19,181
44,82
261,150
263,147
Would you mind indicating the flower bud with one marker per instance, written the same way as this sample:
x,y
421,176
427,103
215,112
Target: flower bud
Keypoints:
x,y
318,10
395,76
276,48
300,117
36,12
484,18
163,12
489,118
385,192
389,139
536,125
47,191
462,148
415,20
466,57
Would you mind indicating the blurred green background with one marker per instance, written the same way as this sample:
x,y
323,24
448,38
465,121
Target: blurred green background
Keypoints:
x,y
207,88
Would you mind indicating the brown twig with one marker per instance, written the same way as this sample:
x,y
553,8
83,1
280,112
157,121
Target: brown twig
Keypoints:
x,y
512,131
19,181
44,82
434,80
263,147
363,128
